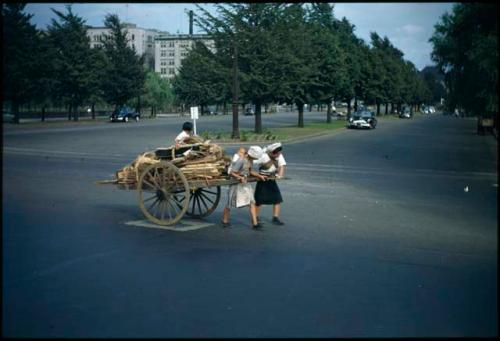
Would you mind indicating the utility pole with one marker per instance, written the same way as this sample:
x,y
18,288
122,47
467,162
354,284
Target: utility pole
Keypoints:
x,y
235,90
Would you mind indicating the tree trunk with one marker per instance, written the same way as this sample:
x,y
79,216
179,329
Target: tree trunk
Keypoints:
x,y
386,108
329,113
224,108
93,111
349,107
378,108
138,109
392,108
43,114
355,104
300,107
258,118
152,112
75,115
70,107
15,111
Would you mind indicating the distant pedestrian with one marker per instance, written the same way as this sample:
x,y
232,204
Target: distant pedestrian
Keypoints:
x,y
272,163
187,131
242,194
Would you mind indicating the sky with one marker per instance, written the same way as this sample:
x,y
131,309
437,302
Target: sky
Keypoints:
x,y
407,25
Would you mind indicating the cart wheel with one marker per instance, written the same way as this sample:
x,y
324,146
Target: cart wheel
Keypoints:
x,y
203,201
163,193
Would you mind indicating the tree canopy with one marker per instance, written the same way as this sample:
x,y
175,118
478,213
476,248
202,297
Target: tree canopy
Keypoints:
x,y
465,48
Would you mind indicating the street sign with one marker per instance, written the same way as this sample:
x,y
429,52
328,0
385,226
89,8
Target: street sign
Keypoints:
x,y
194,113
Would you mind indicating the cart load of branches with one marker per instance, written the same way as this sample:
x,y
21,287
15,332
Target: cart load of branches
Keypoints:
x,y
197,160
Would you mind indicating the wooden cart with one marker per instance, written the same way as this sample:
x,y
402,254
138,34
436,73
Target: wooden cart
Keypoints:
x,y
165,195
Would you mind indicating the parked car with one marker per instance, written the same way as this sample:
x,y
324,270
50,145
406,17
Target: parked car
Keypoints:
x,y
209,111
362,119
406,113
249,112
432,110
125,114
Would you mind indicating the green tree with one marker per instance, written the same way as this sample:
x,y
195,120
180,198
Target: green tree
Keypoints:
x,y
297,49
21,51
434,82
125,73
354,50
465,48
330,76
158,92
246,36
72,70
201,79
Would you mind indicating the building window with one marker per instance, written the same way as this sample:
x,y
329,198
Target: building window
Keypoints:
x,y
171,54
171,62
163,63
133,36
171,44
183,54
171,71
163,71
163,54
163,45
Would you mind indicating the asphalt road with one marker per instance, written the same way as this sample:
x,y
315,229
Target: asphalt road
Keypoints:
x,y
390,232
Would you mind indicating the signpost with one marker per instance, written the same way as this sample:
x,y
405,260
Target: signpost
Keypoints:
x,y
194,117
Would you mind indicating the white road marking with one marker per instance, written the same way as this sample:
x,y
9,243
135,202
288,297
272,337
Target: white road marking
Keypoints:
x,y
183,226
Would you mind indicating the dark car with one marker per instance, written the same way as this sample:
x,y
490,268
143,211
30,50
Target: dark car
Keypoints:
x,y
406,113
209,112
362,119
125,114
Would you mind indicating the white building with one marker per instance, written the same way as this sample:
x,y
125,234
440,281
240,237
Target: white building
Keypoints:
x,y
170,50
141,39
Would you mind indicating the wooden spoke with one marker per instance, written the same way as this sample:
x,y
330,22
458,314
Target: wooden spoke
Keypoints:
x,y
150,198
206,197
163,204
171,193
203,202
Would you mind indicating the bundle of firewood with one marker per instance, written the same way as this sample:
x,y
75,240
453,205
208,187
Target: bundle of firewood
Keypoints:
x,y
199,160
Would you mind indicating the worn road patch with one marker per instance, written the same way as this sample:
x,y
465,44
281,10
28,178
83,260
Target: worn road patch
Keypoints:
x,y
182,226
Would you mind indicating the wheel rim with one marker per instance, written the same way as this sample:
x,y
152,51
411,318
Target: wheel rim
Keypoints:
x,y
126,119
203,201
163,193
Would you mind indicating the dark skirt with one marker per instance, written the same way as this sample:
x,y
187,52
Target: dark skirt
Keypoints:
x,y
267,193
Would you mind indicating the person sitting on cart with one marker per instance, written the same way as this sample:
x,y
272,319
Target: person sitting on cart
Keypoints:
x,y
272,163
241,195
187,131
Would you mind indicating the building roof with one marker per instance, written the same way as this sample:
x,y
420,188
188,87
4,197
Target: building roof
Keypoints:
x,y
183,37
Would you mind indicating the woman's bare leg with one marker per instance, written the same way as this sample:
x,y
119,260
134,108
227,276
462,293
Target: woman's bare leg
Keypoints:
x,y
276,210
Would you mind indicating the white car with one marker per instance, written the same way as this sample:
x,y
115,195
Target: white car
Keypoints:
x,y
432,110
362,119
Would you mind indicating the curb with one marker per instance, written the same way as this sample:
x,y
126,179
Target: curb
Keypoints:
x,y
289,141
